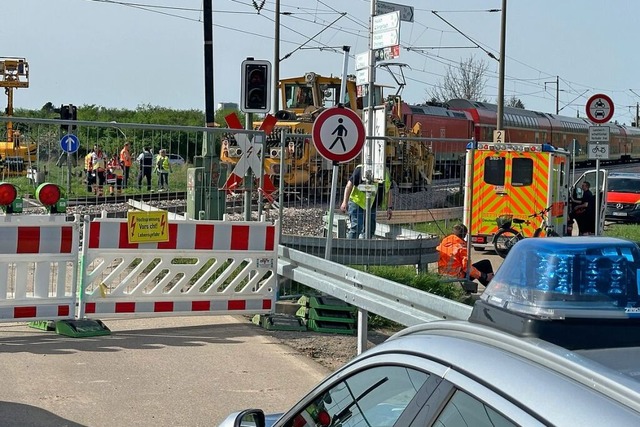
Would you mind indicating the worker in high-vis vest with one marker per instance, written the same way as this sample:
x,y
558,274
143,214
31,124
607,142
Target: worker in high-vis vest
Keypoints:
x,y
354,203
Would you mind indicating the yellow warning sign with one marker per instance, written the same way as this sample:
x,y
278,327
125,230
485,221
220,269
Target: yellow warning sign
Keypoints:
x,y
147,227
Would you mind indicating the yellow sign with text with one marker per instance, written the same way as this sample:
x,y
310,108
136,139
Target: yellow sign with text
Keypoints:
x,y
147,227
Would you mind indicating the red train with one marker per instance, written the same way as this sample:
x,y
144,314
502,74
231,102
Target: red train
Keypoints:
x,y
462,120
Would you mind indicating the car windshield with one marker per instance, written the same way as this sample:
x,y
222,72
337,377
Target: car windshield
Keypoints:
x,y
624,185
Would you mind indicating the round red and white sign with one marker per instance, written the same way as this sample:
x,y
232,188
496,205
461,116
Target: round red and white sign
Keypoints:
x,y
600,108
338,134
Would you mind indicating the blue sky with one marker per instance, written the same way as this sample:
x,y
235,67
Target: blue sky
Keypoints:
x,y
129,53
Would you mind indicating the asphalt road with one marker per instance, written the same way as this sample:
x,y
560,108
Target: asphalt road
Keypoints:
x,y
180,371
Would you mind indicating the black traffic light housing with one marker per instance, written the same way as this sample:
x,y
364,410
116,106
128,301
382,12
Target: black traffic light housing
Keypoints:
x,y
256,86
68,112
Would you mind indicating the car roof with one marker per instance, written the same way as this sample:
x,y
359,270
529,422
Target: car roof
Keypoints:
x,y
495,358
624,175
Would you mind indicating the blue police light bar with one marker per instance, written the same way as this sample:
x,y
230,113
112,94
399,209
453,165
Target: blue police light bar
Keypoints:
x,y
567,290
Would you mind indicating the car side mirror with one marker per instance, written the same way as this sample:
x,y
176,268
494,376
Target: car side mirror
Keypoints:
x,y
250,418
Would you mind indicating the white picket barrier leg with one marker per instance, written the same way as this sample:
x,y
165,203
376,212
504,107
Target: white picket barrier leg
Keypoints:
x,y
38,267
206,267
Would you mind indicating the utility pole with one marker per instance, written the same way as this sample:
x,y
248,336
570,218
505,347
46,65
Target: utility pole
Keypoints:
x,y
214,200
276,60
557,83
503,32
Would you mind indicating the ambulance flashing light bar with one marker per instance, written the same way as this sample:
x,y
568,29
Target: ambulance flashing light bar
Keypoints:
x,y
524,148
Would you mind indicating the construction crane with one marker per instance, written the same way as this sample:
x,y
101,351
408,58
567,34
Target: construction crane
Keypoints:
x,y
14,74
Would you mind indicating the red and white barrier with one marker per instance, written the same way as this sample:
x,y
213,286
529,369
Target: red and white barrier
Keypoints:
x,y
38,267
215,267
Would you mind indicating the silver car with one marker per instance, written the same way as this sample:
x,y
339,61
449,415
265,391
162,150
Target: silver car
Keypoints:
x,y
554,340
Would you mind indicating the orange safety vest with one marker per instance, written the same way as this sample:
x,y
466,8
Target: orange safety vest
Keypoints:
x,y
453,258
125,157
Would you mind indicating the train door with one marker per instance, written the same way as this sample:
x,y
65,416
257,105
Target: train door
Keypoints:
x,y
590,177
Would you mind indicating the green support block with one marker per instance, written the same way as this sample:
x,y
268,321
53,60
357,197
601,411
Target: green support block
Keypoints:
x,y
82,328
44,325
330,303
280,322
331,327
331,315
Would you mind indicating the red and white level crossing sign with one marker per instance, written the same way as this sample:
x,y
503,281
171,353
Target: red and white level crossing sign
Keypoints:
x,y
338,134
249,159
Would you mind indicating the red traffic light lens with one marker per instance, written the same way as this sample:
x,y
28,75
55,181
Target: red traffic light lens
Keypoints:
x,y
8,193
48,194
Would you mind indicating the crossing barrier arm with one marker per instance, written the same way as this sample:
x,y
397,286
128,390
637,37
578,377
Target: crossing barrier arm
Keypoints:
x,y
402,304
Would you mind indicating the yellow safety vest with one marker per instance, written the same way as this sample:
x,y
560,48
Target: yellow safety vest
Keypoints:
x,y
360,197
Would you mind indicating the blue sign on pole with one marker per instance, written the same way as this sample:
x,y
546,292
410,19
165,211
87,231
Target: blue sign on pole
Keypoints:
x,y
69,143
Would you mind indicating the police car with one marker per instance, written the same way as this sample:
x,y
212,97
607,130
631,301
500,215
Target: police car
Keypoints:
x,y
554,340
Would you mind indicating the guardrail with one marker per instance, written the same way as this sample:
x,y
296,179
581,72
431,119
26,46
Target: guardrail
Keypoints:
x,y
402,304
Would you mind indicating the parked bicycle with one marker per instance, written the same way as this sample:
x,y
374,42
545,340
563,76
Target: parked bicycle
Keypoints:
x,y
507,236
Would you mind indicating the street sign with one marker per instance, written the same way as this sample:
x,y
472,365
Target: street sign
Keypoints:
x,y
600,108
362,61
599,151
385,39
338,134
361,77
388,21
498,136
406,12
386,30
376,145
599,134
69,143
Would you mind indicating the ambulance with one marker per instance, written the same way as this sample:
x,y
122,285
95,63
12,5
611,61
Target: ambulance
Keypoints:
x,y
515,180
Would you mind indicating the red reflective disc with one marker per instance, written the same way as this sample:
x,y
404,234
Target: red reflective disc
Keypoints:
x,y
48,194
8,193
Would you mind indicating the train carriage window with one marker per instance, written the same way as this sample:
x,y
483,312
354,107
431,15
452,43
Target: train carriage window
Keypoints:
x,y
494,168
522,172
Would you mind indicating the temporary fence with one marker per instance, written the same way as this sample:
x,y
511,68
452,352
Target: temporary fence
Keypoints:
x,y
205,267
38,268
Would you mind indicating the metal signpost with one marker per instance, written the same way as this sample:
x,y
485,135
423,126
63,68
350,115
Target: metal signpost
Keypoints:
x,y
599,110
338,134
69,144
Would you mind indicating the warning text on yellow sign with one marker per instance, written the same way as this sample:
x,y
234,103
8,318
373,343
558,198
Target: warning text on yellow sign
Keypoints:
x,y
147,227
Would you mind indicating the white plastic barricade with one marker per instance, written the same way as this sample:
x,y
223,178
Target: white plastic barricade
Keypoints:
x,y
206,267
38,267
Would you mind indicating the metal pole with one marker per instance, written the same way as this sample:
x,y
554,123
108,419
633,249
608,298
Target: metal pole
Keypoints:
x,y
283,153
367,168
471,175
573,161
332,203
503,31
343,84
276,59
248,176
213,198
597,189
263,151
69,130
557,95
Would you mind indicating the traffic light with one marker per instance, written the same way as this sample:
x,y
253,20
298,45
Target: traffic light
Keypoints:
x,y
256,86
68,112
